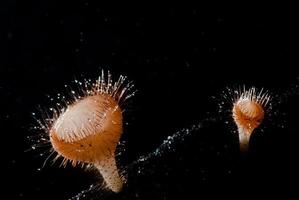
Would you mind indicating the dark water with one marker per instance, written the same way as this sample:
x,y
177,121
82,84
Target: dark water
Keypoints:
x,y
180,57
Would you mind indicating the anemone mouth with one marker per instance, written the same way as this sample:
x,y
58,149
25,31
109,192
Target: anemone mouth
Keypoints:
x,y
89,130
247,121
249,110
92,149
248,116
89,116
98,110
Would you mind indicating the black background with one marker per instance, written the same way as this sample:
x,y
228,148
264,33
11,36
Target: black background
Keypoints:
x,y
179,57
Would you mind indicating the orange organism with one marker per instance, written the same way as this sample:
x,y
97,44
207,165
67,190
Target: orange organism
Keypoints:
x,y
89,129
248,113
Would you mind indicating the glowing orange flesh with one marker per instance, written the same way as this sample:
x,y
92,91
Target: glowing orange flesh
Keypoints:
x,y
248,115
89,131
